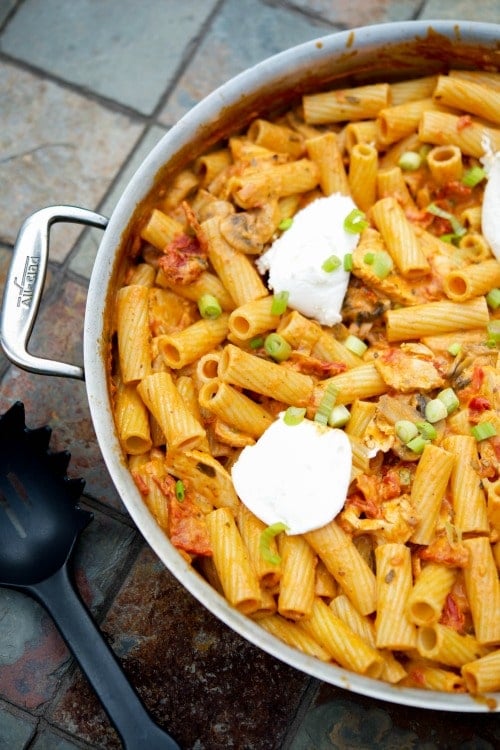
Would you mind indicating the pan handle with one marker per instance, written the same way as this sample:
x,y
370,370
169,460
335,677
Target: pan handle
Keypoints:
x,y
24,285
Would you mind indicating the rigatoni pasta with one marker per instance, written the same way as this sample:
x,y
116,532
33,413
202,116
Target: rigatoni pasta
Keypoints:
x,y
403,584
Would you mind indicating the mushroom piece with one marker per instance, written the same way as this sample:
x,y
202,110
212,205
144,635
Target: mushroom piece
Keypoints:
x,y
249,231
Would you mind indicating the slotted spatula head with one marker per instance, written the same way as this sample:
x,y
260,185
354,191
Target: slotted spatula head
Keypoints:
x,y
39,518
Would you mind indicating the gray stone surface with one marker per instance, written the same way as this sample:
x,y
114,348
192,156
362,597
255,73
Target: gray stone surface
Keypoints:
x,y
349,13
16,730
487,11
55,147
121,49
243,33
86,250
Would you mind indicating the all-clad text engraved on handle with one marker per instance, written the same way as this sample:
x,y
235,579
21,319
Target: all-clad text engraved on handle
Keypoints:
x,y
28,281
24,285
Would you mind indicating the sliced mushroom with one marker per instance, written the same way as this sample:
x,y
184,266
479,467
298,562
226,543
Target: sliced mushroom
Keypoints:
x,y
249,231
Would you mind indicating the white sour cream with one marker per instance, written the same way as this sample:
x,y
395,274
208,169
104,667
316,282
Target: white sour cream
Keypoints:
x,y
295,259
490,217
297,475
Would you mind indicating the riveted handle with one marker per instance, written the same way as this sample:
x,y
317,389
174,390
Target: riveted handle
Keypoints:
x,y
24,286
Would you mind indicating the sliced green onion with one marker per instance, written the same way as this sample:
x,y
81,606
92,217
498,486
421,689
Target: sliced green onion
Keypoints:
x,y
454,349
449,399
369,259
326,404
348,262
331,264
418,444
180,490
277,347
209,306
256,343
493,299
339,416
435,410
355,222
409,161
405,430
427,430
265,542
424,151
285,223
457,228
483,431
382,264
279,303
493,329
473,176
355,345
294,415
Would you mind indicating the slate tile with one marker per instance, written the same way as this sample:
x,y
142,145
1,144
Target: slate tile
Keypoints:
x,y
338,719
487,11
83,258
56,147
16,729
352,13
120,50
243,33
201,681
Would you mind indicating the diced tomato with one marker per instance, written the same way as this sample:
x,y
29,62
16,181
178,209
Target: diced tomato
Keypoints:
x,y
476,406
452,615
444,553
187,526
364,505
183,260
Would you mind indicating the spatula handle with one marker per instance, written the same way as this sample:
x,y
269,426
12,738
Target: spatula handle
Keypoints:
x,y
119,699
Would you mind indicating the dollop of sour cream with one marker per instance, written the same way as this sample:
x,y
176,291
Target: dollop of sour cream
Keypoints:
x,y
490,215
295,474
295,259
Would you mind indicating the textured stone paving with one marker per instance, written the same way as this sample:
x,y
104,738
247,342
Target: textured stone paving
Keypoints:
x,y
87,87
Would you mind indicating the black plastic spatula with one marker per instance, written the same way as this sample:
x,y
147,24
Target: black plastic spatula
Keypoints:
x,y
39,524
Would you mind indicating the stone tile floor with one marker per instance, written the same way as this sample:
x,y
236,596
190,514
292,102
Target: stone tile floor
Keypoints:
x,y
86,89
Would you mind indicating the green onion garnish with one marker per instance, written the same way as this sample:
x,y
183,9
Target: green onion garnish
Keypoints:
x,y
279,303
285,223
449,399
355,345
493,329
418,444
277,347
209,306
493,299
339,416
369,258
256,343
331,264
457,228
382,264
326,404
483,431
294,415
409,161
473,176
427,430
180,491
348,262
454,349
355,222
265,542
404,476
405,430
435,410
